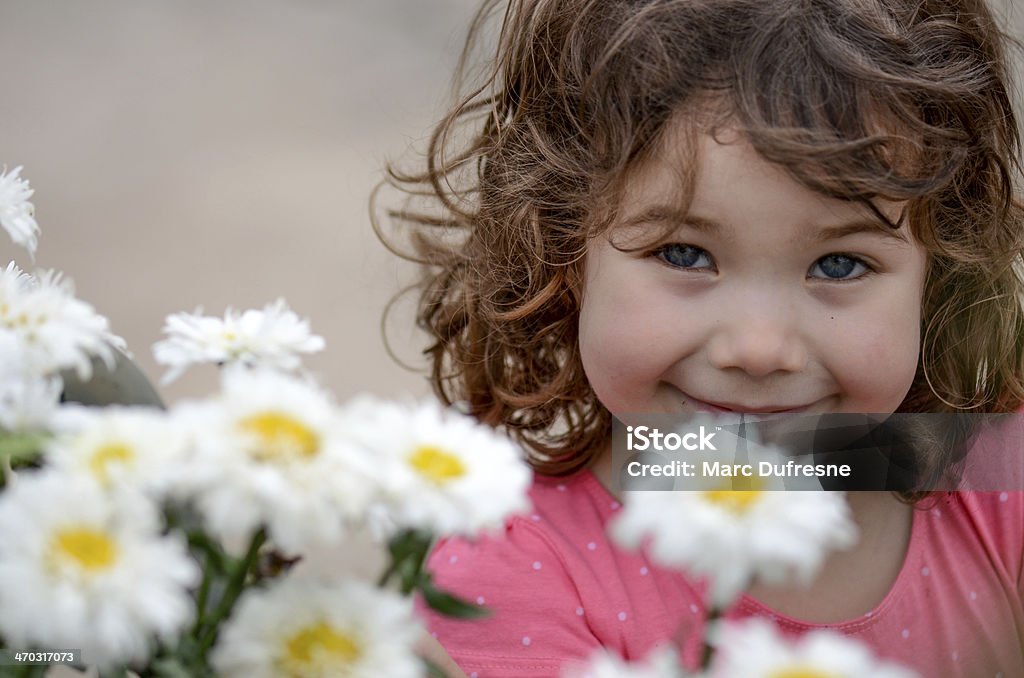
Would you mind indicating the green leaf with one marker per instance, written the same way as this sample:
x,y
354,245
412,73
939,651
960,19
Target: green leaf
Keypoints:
x,y
449,605
408,552
408,544
21,448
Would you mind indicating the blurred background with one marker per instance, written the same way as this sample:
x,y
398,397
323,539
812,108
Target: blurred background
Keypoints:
x,y
191,153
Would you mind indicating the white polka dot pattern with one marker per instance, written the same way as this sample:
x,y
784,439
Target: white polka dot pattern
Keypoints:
x,y
553,551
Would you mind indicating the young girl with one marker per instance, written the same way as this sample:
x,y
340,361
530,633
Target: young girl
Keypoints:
x,y
728,206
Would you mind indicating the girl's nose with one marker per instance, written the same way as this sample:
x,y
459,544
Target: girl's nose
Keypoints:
x,y
759,343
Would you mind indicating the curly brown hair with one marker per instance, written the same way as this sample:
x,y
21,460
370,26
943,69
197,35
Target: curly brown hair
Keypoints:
x,y
860,100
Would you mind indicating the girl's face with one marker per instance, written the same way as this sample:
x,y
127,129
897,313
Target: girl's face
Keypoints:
x,y
768,297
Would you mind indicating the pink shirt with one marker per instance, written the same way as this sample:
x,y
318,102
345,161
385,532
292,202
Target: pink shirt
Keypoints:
x,y
558,589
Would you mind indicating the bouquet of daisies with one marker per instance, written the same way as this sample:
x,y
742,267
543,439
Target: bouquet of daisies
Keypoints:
x,y
269,531
266,530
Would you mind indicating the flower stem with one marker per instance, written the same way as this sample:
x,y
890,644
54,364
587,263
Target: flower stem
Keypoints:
x,y
213,561
214,553
408,552
388,574
234,589
708,650
204,592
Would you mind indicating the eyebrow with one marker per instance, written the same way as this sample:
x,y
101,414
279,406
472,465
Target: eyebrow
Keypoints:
x,y
664,214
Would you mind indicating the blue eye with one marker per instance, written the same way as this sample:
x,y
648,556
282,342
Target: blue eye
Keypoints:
x,y
839,267
684,256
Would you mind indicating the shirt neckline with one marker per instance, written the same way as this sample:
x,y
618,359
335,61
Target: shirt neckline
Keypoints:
x,y
747,603
750,604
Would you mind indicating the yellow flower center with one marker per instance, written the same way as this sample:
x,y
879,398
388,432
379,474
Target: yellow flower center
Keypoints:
x,y
802,672
737,501
738,496
107,455
279,437
17,321
318,647
89,549
436,465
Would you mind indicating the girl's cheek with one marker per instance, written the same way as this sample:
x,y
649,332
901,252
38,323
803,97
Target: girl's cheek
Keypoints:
x,y
629,336
876,359
614,343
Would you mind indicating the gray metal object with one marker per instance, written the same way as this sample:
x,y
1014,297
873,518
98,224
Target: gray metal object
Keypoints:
x,y
125,384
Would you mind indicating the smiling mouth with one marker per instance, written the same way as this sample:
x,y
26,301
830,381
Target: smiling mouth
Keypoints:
x,y
735,408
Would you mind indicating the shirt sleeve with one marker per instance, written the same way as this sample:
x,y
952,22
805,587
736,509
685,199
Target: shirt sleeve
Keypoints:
x,y
536,621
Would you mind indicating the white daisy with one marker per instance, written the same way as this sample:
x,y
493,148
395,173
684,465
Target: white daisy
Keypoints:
x,y
301,628
269,451
85,569
17,215
28,404
439,470
661,663
733,535
270,338
755,649
137,447
54,329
